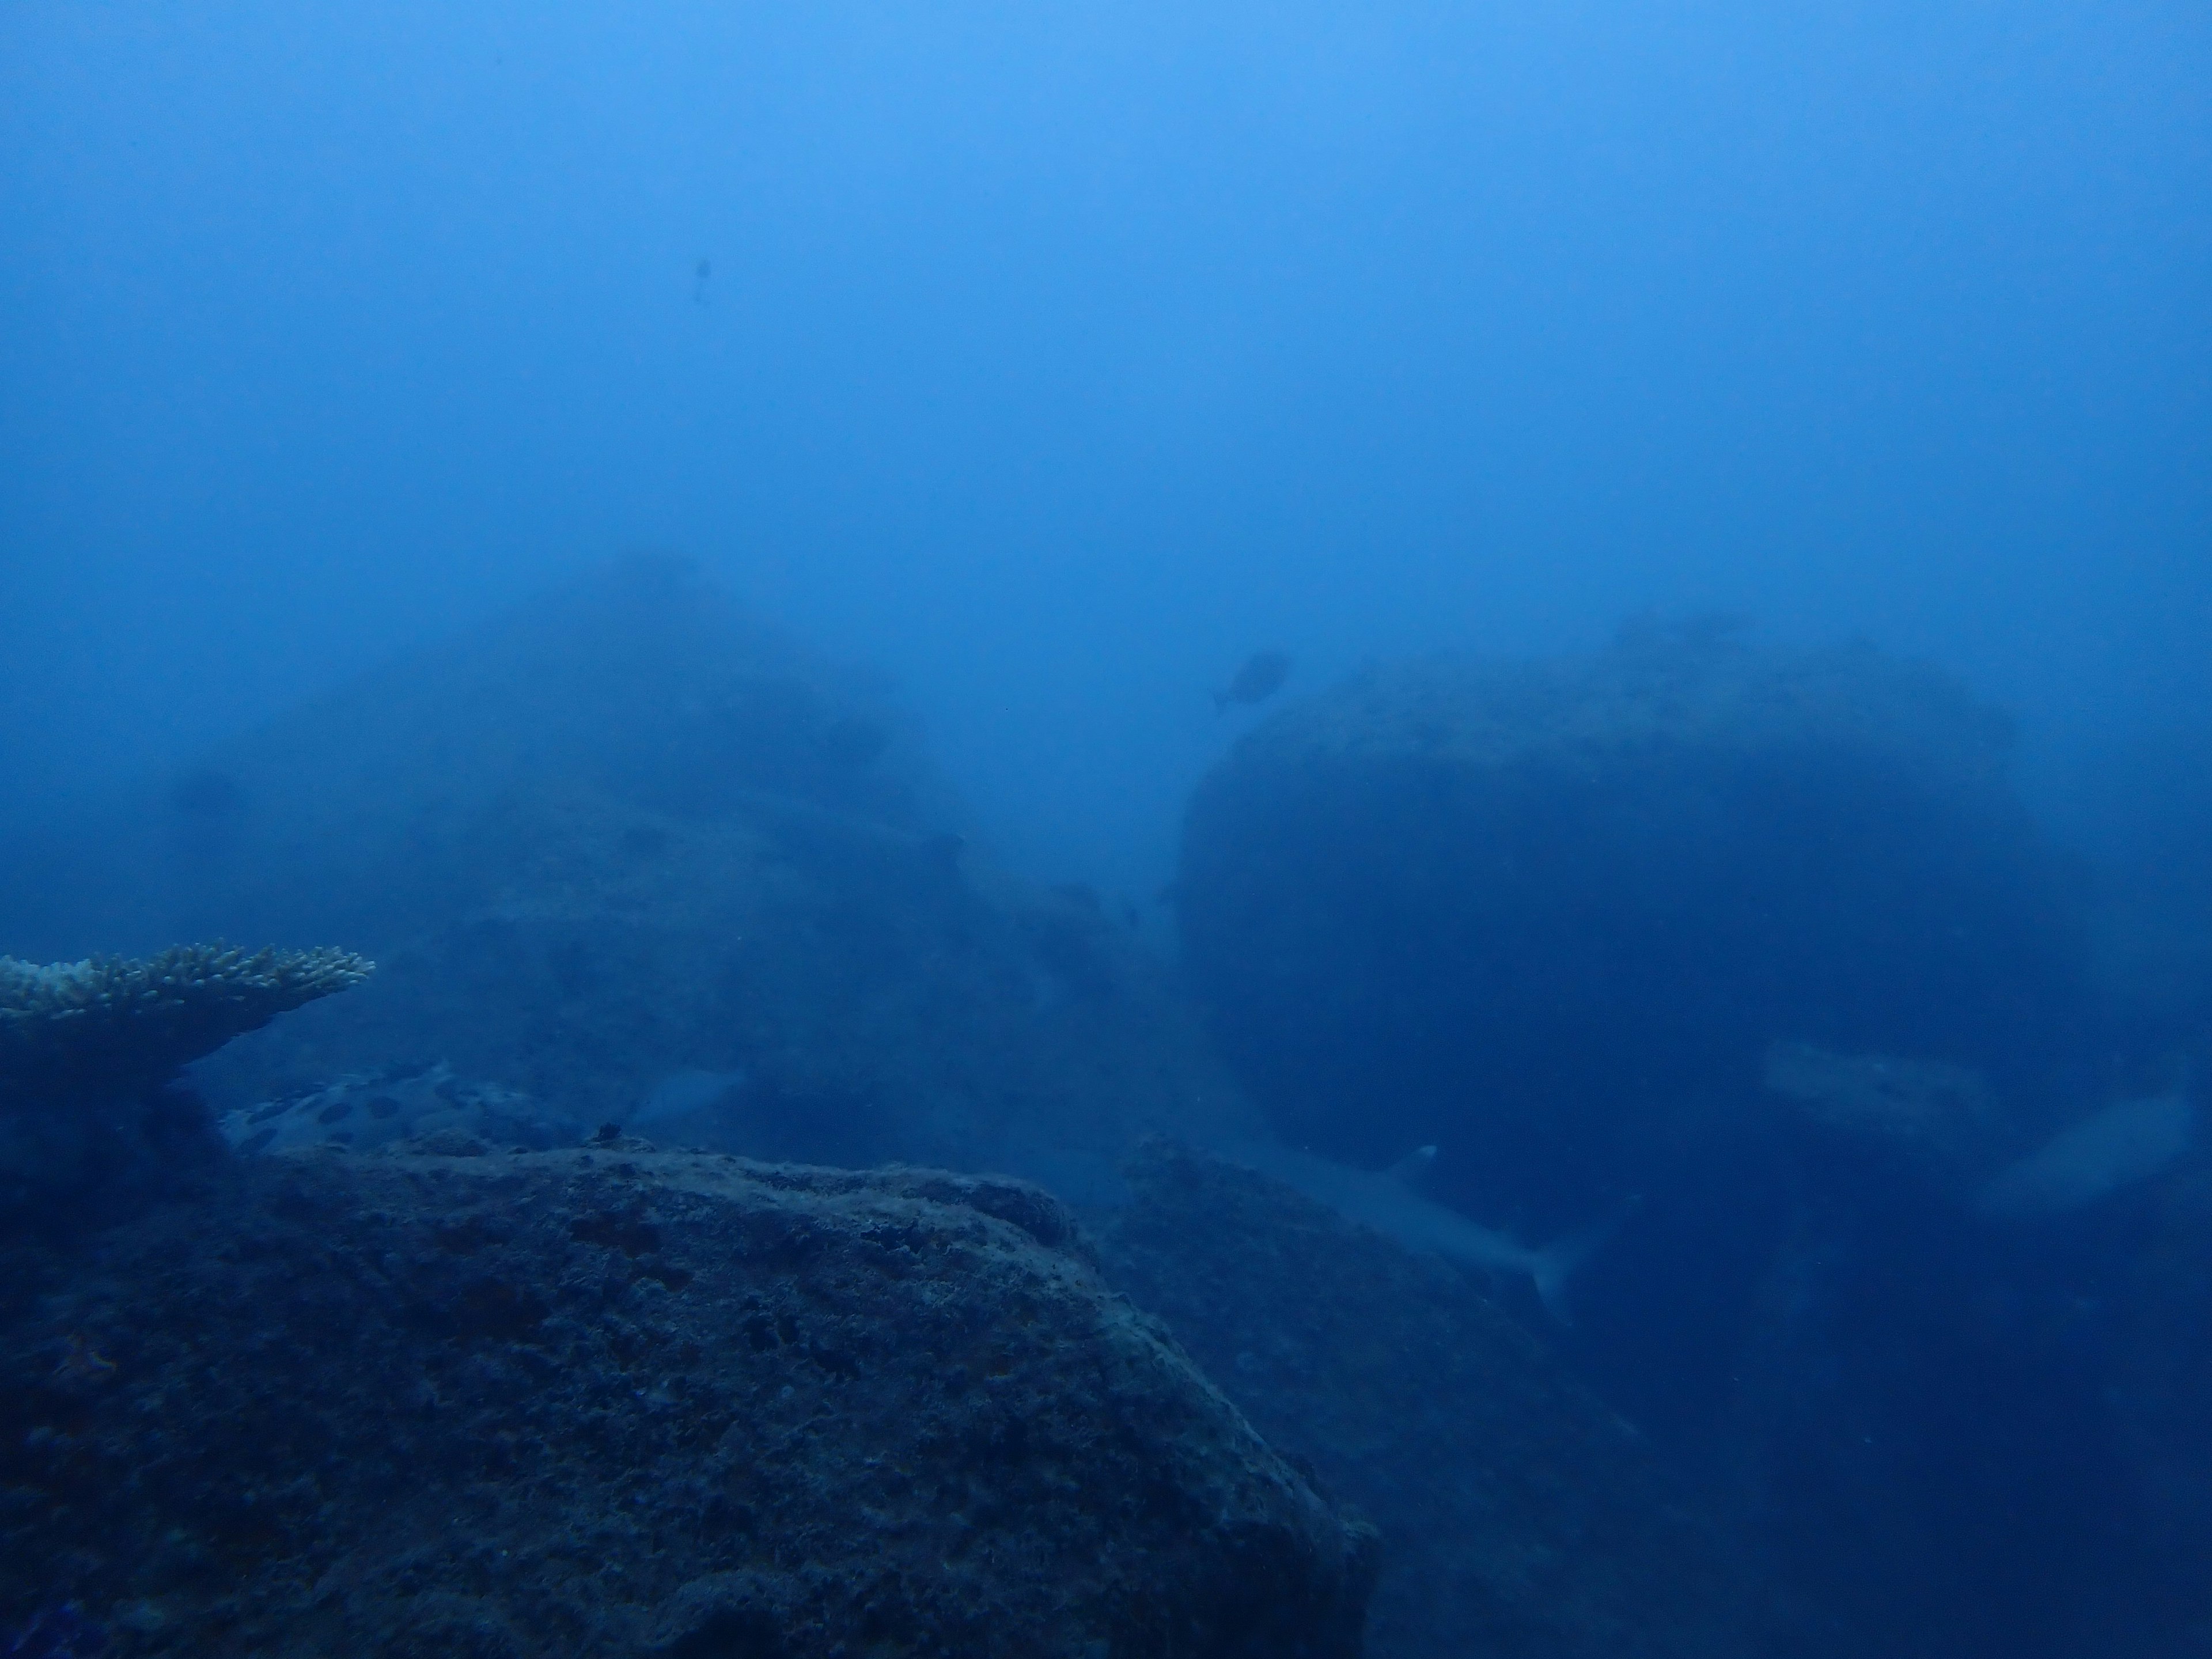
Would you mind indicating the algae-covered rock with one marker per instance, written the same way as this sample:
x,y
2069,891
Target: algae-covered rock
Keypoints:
x,y
614,1402
1518,1515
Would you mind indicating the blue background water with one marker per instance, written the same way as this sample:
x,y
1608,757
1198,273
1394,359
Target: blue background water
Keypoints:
x,y
1052,357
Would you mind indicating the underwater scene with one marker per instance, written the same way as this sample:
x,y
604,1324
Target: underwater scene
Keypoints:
x,y
1106,832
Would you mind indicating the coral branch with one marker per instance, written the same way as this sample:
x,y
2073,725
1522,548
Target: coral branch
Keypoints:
x,y
109,1022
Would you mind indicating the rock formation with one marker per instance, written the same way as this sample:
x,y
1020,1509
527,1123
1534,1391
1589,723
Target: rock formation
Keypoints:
x,y
616,1402
627,834
1540,907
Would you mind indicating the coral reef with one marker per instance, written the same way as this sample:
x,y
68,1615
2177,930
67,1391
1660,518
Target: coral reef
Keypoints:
x,y
622,1402
90,1121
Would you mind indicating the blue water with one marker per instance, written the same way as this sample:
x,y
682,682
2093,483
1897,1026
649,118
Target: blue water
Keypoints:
x,y
1045,361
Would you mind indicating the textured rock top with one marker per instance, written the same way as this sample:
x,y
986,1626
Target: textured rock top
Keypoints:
x,y
616,1402
1698,686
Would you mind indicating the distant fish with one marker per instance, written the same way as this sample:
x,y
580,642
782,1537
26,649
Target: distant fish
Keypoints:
x,y
682,1093
1387,1203
1260,678
2118,1147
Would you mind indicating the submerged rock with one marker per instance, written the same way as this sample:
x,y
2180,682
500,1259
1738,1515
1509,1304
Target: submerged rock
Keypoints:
x,y
366,1111
2160,1396
1936,1117
1553,918
1541,908
627,833
623,1402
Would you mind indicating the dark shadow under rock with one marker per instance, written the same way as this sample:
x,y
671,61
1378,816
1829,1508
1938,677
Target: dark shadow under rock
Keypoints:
x,y
615,1402
1519,1516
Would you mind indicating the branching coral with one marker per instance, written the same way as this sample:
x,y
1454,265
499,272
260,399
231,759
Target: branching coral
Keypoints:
x,y
110,1024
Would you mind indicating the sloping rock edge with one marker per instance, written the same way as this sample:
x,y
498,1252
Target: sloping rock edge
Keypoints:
x,y
622,1401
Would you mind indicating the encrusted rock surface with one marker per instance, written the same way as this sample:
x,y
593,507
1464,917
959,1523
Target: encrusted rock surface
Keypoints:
x,y
615,1402
1551,917
1518,1515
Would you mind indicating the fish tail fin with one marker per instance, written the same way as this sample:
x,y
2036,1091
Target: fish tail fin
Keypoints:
x,y
1552,1267
1415,1168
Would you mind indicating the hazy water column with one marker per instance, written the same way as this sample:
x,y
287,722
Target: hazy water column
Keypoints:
x,y
1057,358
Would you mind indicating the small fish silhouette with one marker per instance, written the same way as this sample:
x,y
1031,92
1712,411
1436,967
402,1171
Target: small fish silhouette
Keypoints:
x,y
83,1366
1260,678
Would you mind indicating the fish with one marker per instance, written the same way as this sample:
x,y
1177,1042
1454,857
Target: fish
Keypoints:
x,y
1386,1201
2117,1147
1260,678
682,1093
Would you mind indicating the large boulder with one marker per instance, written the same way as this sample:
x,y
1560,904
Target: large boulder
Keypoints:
x,y
2160,1395
444,1401
627,856
1754,956
1553,917
1544,914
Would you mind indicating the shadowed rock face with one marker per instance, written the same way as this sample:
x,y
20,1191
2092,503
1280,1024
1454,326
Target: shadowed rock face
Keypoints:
x,y
1525,910
618,1402
1551,917
1560,919
1518,1515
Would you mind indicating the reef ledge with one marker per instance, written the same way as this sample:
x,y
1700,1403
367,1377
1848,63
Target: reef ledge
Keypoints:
x,y
458,1400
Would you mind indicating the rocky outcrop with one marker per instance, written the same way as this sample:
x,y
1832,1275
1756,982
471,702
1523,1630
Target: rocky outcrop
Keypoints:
x,y
1759,947
1551,917
615,1401
1509,898
2160,1395
625,835
1518,1515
